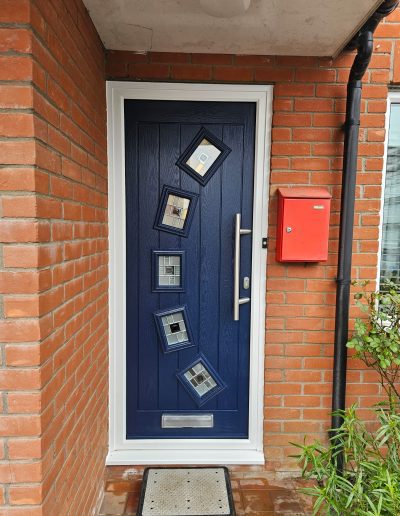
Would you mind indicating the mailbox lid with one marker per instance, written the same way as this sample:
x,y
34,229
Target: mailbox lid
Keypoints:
x,y
304,192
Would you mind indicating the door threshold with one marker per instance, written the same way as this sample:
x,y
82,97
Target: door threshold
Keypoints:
x,y
171,456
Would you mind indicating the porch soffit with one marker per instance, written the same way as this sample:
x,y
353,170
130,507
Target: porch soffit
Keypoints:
x,y
268,27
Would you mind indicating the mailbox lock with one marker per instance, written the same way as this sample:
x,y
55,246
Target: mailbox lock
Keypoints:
x,y
288,229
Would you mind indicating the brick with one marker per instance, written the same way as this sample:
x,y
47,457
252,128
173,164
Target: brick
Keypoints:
x,y
303,376
311,134
19,331
22,206
58,95
291,149
311,75
374,91
22,355
21,256
23,282
281,134
48,159
286,120
233,73
14,11
254,60
13,39
211,59
328,120
190,72
330,90
15,68
284,413
24,403
282,104
310,163
45,109
313,104
58,141
21,448
380,76
396,63
149,71
120,56
71,169
79,155
328,149
25,495
16,125
296,60
17,152
372,120
21,472
24,231
286,388
376,135
295,90
15,97
304,324
61,187
273,75
21,306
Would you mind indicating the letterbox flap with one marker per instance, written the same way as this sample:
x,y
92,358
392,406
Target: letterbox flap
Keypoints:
x,y
305,192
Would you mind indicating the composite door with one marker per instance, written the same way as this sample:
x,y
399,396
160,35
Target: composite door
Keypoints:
x,y
189,172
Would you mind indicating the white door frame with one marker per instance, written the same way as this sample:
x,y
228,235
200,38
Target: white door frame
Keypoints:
x,y
185,451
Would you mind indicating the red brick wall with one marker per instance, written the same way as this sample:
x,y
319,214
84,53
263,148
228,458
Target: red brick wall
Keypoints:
x,y
307,149
53,264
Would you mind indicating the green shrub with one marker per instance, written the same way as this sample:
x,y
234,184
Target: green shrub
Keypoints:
x,y
358,472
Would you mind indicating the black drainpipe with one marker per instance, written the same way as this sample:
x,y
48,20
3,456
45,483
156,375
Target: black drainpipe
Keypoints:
x,y
363,41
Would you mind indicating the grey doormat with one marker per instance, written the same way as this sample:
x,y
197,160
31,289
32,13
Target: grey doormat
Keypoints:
x,y
186,491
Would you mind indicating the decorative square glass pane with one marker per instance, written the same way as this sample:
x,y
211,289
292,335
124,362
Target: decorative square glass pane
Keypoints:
x,y
204,156
168,270
173,328
201,380
175,211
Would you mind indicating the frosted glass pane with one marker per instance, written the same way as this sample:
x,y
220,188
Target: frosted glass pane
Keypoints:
x,y
203,157
174,328
200,379
176,211
169,270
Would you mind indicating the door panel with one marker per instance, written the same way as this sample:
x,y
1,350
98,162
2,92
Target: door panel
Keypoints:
x,y
156,134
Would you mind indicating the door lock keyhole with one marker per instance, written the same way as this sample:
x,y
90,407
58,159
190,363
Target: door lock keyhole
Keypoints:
x,y
246,282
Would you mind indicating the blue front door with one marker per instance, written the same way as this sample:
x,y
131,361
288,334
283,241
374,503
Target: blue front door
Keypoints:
x,y
189,171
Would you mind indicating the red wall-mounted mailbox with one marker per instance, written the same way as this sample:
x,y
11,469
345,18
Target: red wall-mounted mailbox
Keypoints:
x,y
303,224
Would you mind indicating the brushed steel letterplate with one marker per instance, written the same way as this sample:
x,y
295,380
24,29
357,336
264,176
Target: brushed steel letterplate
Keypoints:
x,y
187,421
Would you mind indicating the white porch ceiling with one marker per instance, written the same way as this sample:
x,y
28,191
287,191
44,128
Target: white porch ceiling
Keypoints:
x,y
277,27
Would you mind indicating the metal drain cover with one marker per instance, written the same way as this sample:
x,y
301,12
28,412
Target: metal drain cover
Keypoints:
x,y
186,491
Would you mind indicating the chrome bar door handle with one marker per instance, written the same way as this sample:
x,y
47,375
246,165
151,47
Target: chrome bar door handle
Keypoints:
x,y
237,301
